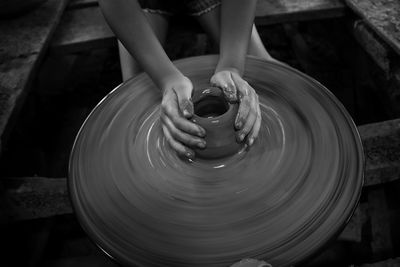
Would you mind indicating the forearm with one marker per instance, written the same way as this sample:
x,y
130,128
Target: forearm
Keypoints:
x,y
129,24
237,17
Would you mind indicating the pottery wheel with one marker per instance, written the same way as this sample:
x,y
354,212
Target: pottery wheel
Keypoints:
x,y
280,201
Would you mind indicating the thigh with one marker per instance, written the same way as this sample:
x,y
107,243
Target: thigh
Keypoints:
x,y
211,24
129,67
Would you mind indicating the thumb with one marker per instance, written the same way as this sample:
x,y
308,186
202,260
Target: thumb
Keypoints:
x,y
184,94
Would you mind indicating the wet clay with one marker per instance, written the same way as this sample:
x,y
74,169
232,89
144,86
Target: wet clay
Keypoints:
x,y
279,201
217,116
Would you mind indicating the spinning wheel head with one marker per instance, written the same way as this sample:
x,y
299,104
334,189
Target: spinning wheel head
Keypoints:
x,y
280,201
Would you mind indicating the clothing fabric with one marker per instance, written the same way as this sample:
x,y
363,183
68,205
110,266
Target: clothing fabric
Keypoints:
x,y
179,7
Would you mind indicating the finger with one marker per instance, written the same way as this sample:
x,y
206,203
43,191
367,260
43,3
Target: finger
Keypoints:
x,y
242,86
178,147
229,88
245,92
224,81
184,94
256,128
169,109
169,104
244,109
249,122
184,138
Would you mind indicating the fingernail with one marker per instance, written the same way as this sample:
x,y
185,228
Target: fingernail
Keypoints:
x,y
239,125
241,137
186,113
189,155
251,141
201,132
187,108
201,144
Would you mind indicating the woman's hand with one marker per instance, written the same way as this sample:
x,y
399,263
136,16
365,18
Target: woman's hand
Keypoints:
x,y
248,119
176,109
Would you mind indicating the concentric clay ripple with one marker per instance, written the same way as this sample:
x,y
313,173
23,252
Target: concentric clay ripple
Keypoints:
x,y
280,201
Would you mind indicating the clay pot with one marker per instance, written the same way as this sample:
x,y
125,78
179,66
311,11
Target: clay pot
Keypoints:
x,y
217,116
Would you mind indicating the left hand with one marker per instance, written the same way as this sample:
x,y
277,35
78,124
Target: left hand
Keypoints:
x,y
248,119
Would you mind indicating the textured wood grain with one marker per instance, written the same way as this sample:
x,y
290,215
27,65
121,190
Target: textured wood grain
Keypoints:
x,y
382,151
81,29
386,59
29,198
381,15
272,11
378,49
23,41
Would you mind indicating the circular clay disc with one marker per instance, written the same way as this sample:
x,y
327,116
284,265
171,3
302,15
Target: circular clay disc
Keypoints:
x,y
279,201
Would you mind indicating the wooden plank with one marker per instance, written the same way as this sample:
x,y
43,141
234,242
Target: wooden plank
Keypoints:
x,y
378,49
382,151
82,29
381,243
353,230
85,28
386,59
273,11
383,16
23,41
32,198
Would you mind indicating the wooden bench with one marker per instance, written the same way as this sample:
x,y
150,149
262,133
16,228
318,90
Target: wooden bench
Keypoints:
x,y
382,16
23,42
83,26
378,32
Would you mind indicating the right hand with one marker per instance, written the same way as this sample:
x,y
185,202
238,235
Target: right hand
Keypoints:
x,y
248,118
176,110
